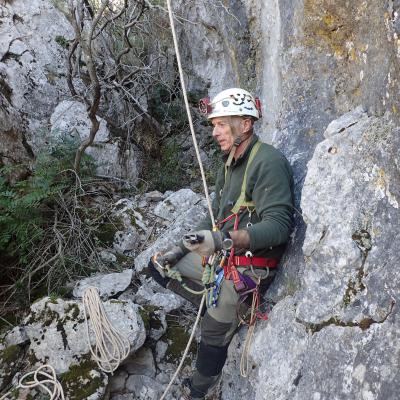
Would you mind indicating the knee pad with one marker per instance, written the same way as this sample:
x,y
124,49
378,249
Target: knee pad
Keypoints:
x,y
155,274
211,359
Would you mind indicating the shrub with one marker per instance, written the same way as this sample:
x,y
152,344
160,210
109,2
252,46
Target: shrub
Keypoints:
x,y
27,206
43,225
167,171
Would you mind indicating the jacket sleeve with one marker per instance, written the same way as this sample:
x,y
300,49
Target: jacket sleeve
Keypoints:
x,y
271,188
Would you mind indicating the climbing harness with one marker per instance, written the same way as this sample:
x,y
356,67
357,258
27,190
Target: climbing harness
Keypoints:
x,y
110,348
43,378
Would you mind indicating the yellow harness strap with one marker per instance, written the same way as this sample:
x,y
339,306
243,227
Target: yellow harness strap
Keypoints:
x,y
241,201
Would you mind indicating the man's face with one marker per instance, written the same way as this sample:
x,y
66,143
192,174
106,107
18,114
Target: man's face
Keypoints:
x,y
222,132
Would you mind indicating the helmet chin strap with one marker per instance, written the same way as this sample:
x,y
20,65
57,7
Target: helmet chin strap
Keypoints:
x,y
232,151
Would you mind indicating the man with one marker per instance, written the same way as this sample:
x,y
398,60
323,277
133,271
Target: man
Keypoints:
x,y
253,211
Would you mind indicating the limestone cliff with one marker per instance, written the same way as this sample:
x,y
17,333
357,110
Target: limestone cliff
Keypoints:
x,y
327,72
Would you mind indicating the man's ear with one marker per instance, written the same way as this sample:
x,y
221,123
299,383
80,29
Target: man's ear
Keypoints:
x,y
247,125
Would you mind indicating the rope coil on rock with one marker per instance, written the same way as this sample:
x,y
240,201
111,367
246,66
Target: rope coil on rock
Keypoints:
x,y
110,348
42,379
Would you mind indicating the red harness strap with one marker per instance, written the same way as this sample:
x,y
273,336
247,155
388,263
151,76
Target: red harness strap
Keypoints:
x,y
259,262
230,271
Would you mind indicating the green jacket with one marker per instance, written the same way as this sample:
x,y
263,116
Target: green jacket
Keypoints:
x,y
270,186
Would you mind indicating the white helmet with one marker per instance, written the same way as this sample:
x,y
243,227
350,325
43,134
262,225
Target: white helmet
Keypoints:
x,y
231,102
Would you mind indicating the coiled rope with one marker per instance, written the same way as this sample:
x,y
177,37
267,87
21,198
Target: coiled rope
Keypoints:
x,y
42,379
110,348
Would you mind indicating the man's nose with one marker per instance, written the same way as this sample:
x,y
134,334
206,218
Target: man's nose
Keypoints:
x,y
215,131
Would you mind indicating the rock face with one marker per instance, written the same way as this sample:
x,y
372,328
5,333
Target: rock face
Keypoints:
x,y
355,169
333,331
332,338
226,57
32,58
34,39
57,330
182,209
318,60
108,285
70,119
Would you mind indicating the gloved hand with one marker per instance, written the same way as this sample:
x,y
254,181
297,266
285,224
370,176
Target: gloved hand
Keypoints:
x,y
170,257
205,243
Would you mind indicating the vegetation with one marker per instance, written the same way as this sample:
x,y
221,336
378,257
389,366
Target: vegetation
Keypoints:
x,y
167,171
50,227
82,380
47,225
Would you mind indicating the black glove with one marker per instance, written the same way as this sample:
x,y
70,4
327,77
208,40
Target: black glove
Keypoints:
x,y
170,257
206,243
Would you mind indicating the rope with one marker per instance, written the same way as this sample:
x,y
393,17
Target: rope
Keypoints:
x,y
178,59
203,177
50,380
110,348
244,360
186,350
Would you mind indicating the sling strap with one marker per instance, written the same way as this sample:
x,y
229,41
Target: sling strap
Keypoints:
x,y
241,201
258,262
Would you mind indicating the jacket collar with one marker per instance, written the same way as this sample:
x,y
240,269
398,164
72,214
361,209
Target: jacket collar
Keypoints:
x,y
245,154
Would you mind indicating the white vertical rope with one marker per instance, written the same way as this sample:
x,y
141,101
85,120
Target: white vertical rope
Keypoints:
x,y
186,350
182,79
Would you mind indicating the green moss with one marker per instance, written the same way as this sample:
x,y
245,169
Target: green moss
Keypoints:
x,y
10,362
123,260
9,354
145,317
348,294
73,310
132,219
15,394
78,383
53,298
32,359
62,41
291,286
150,317
107,231
177,338
46,316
